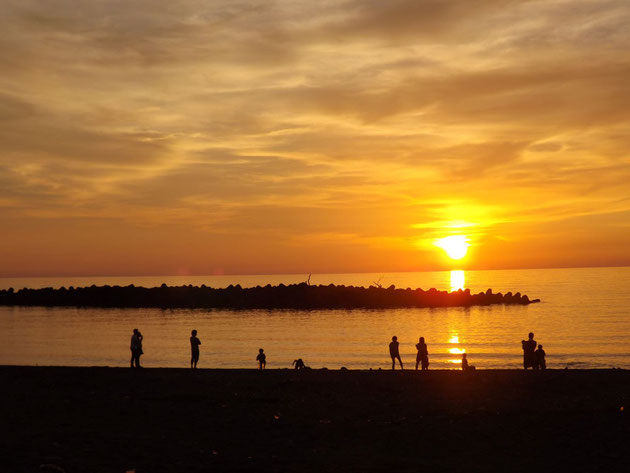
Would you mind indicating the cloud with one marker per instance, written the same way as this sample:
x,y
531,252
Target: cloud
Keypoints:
x,y
334,120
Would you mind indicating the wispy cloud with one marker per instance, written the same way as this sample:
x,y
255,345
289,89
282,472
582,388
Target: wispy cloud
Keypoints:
x,y
243,127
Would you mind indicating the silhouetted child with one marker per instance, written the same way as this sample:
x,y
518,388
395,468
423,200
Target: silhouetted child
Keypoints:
x,y
540,358
394,353
529,347
136,348
299,364
423,354
194,347
261,359
465,365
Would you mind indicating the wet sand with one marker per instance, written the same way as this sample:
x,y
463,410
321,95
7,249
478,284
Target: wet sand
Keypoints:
x,y
178,420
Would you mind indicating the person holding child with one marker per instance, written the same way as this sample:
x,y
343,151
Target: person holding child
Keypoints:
x,y
529,347
423,354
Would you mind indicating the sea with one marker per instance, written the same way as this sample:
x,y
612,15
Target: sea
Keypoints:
x,y
582,321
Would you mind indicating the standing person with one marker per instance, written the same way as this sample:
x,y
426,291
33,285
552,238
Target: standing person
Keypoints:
x,y
529,357
194,347
540,358
261,359
136,348
394,353
423,354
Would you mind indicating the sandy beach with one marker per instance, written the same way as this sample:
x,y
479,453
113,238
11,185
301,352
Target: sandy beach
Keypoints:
x,y
178,420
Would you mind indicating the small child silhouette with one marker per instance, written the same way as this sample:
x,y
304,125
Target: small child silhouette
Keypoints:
x,y
261,359
540,358
465,365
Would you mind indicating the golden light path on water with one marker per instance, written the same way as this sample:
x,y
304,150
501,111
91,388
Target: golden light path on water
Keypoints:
x,y
455,341
458,280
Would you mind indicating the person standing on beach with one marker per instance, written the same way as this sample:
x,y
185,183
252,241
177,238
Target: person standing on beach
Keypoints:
x,y
423,354
529,347
194,347
394,353
261,359
136,348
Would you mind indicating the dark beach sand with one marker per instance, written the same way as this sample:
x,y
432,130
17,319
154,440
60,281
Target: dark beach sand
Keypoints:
x,y
177,420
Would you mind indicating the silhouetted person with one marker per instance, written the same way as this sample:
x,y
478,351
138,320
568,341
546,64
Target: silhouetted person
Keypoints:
x,y
261,359
465,365
540,358
529,347
299,364
136,348
423,354
394,353
194,348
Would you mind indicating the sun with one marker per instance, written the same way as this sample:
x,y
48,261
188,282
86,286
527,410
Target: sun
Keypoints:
x,y
455,246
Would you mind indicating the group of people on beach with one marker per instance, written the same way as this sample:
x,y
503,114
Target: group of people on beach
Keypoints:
x,y
532,357
136,348
422,357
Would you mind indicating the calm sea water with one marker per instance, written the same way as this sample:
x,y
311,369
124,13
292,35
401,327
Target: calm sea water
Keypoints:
x,y
582,322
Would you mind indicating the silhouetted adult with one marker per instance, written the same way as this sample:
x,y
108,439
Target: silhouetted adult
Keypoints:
x,y
136,348
261,359
194,348
394,353
540,358
529,347
423,354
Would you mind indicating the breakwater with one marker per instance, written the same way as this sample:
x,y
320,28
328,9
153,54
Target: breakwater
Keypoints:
x,y
293,296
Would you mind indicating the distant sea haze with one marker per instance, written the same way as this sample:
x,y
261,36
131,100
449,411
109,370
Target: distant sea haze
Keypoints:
x,y
582,322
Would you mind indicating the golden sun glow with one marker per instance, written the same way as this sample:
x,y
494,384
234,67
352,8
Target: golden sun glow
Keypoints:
x,y
458,280
455,246
332,171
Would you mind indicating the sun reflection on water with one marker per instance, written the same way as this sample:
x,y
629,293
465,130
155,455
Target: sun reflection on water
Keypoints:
x,y
454,340
458,280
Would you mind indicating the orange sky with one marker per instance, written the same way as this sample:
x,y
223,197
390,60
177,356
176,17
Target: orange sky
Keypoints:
x,y
200,137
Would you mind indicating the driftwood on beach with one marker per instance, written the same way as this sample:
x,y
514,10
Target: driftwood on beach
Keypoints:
x,y
294,296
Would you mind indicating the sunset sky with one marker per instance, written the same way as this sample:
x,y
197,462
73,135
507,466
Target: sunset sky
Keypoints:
x,y
205,137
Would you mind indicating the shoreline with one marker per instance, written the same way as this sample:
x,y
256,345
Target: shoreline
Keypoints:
x,y
102,419
317,370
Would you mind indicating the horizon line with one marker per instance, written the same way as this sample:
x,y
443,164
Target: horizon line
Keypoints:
x,y
300,273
